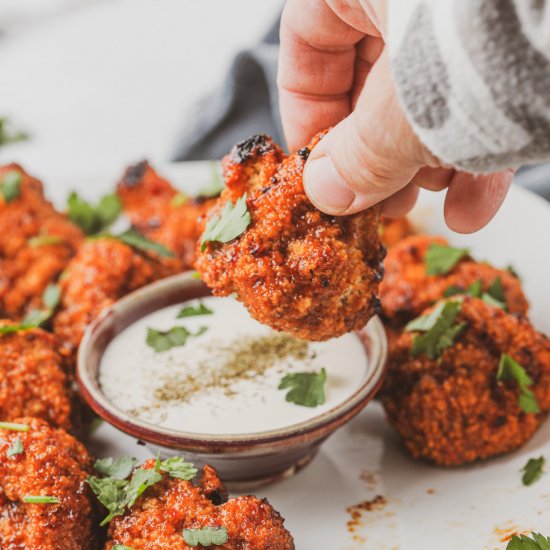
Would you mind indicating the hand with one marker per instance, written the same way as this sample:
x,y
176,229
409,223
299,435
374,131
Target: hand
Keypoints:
x,y
334,71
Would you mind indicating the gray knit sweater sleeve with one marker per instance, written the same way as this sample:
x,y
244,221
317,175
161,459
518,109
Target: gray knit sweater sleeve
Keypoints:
x,y
474,77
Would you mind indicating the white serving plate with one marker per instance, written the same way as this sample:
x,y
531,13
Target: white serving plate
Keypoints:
x,y
427,507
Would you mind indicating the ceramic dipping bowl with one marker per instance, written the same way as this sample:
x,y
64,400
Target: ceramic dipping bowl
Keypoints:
x,y
243,460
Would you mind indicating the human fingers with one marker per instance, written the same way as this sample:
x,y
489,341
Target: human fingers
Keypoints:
x,y
473,200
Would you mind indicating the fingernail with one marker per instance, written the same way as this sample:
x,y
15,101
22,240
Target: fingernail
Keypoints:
x,y
325,187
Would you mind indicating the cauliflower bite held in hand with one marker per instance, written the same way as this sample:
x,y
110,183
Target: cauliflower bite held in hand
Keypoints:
x,y
32,379
295,269
159,212
36,242
45,502
472,385
422,269
175,510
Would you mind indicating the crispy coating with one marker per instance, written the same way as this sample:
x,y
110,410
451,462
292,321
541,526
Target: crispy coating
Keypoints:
x,y
407,290
32,379
26,270
394,230
103,271
55,464
157,520
152,205
453,410
295,269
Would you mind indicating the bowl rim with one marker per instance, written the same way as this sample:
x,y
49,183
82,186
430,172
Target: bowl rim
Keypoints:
x,y
108,411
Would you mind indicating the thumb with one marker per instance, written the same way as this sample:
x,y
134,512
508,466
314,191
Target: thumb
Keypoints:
x,y
368,156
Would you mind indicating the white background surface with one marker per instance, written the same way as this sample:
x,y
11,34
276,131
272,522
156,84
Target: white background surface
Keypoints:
x,y
102,83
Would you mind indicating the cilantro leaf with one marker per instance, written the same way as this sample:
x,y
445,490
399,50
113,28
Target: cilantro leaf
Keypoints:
x,y
177,467
509,369
8,134
538,542
440,258
495,294
10,186
306,388
119,468
93,219
40,499
440,330
16,448
164,340
216,185
141,480
426,322
205,536
44,240
190,311
532,470
133,238
179,200
37,317
14,427
111,493
232,223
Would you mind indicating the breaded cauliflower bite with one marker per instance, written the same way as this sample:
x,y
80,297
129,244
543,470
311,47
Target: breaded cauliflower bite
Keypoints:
x,y
45,462
455,408
394,230
407,289
36,243
32,378
159,212
158,518
295,269
103,271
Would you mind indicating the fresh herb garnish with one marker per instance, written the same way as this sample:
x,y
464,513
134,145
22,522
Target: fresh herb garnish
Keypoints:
x,y
216,184
14,427
496,291
512,270
494,296
118,495
523,542
179,200
177,467
93,219
121,547
232,223
191,311
40,499
37,317
10,186
44,240
16,448
119,468
205,536
440,330
509,369
8,134
440,258
306,388
532,470
111,493
164,340
133,238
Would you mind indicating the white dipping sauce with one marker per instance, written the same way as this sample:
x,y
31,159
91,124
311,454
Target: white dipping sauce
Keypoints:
x,y
131,373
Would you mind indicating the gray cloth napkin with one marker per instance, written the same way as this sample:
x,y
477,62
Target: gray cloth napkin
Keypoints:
x,y
247,103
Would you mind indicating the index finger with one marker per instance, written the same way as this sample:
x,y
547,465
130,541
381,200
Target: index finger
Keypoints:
x,y
316,69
